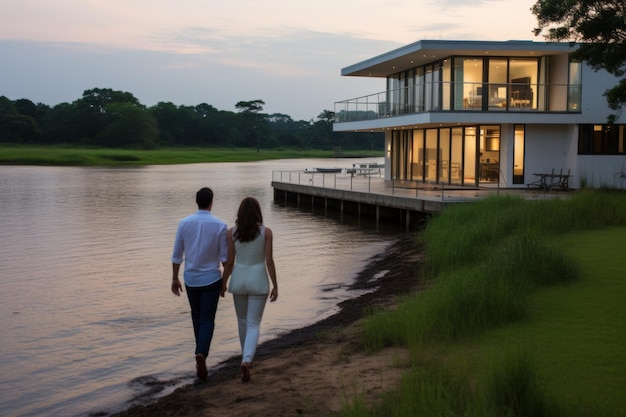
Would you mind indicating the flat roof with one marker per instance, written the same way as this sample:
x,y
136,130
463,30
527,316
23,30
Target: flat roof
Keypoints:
x,y
427,51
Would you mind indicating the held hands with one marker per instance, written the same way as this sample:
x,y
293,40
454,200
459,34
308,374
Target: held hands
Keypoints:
x,y
177,288
274,294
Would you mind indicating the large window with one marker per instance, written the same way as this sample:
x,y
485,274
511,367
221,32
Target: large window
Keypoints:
x,y
444,155
419,89
497,83
518,154
470,157
400,154
523,87
601,140
456,156
430,155
469,82
432,84
446,78
489,154
417,160
575,82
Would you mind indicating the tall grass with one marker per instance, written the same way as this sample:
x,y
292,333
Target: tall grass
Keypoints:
x,y
513,389
484,264
434,390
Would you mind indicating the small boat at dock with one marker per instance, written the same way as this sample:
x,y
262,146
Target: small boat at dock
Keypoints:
x,y
328,170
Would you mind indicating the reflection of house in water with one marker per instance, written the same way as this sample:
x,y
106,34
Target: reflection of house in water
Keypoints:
x,y
487,113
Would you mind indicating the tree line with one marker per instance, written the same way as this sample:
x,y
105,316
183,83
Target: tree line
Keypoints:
x,y
104,117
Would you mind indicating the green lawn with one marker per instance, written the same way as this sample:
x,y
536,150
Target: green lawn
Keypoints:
x,y
575,334
73,156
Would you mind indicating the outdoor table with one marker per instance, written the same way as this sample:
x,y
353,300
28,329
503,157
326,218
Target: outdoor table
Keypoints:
x,y
548,180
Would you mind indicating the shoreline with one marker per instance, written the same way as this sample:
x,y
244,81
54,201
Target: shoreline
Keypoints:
x,y
386,276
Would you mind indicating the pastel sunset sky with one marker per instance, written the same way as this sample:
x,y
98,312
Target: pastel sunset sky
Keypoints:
x,y
288,53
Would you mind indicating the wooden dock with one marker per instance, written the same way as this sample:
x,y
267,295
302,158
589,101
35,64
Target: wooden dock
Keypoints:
x,y
403,203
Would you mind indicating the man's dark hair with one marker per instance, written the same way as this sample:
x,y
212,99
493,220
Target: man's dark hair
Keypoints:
x,y
204,198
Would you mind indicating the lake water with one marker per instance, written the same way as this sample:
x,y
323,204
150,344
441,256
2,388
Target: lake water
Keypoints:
x,y
86,313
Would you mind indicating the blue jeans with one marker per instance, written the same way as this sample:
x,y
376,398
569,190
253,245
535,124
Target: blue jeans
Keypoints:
x,y
203,303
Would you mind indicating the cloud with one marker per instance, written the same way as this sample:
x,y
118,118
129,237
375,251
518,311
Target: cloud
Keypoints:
x,y
289,54
297,74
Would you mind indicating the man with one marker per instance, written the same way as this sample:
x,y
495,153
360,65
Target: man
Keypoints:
x,y
202,239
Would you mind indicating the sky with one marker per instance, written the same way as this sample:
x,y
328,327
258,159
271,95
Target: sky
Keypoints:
x,y
288,53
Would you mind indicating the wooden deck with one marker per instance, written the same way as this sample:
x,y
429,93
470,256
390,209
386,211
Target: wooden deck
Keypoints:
x,y
372,196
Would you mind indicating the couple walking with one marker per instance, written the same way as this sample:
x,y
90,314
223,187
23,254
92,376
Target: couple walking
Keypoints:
x,y
213,253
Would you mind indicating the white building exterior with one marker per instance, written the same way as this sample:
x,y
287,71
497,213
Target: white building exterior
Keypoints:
x,y
483,113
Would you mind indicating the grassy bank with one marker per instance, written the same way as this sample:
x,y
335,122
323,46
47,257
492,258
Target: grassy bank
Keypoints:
x,y
63,156
523,315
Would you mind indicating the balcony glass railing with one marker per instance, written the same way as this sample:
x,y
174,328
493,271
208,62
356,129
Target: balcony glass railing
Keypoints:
x,y
489,97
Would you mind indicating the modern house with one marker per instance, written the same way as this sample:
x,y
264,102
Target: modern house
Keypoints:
x,y
486,113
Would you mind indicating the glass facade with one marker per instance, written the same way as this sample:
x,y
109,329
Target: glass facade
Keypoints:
x,y
482,84
468,83
459,155
474,83
470,155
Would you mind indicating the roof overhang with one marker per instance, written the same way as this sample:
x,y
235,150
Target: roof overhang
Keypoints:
x,y
428,51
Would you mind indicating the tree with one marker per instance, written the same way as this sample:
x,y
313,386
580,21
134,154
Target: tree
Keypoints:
x,y
600,27
16,124
91,109
130,127
250,110
7,106
62,125
17,128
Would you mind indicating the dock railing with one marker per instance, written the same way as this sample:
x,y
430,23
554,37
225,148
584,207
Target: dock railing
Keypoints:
x,y
371,180
375,183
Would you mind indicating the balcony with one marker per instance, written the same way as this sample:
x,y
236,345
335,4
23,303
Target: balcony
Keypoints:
x,y
462,97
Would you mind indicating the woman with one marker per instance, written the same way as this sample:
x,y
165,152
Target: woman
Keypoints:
x,y
250,260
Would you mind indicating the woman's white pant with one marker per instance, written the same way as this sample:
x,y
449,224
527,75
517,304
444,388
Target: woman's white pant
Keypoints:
x,y
249,309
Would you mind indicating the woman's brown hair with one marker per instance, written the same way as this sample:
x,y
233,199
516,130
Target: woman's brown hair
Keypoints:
x,y
249,218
